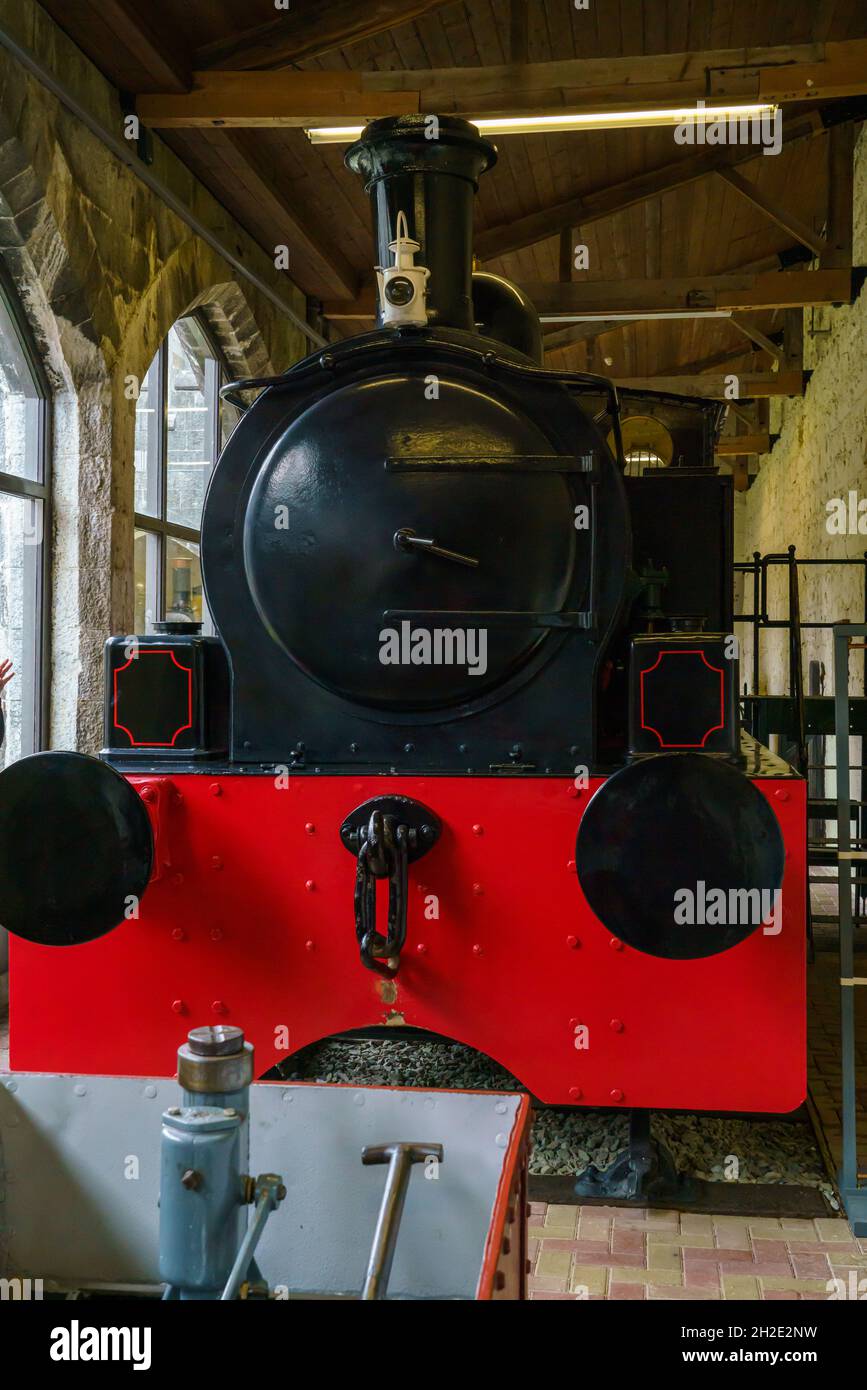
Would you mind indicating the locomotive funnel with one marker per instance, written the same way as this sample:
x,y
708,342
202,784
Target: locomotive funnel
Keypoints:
x,y
428,168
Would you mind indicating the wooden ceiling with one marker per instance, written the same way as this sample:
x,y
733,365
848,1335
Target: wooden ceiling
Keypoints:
x,y
283,190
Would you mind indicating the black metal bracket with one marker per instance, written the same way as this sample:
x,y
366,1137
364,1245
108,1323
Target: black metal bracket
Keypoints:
x,y
644,1169
386,835
144,145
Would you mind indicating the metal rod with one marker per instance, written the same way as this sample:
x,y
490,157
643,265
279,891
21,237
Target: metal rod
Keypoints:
x,y
271,1193
849,1167
125,152
400,1158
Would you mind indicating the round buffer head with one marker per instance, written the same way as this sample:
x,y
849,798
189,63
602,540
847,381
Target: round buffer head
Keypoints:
x,y
680,856
75,846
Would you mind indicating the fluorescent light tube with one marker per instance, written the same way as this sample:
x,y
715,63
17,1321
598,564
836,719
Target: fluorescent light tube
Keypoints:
x,y
572,121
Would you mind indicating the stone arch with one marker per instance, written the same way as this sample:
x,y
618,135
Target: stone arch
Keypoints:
x,y
194,277
234,328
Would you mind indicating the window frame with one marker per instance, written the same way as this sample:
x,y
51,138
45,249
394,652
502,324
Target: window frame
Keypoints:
x,y
38,488
160,526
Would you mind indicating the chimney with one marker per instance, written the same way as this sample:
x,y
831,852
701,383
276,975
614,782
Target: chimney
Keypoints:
x,y
428,168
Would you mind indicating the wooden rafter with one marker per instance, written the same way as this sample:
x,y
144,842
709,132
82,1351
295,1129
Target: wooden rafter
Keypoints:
x,y
781,73
783,217
609,199
326,262
754,335
308,31
712,363
582,333
698,296
643,83
161,55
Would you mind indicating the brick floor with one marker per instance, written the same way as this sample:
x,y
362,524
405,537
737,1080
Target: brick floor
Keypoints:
x,y
628,1253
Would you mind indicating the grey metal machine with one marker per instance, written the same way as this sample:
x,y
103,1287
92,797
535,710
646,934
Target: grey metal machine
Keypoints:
x,y
205,1189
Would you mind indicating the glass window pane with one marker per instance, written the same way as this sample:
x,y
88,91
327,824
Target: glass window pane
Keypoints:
x,y
20,406
183,581
147,561
191,417
147,443
21,520
229,417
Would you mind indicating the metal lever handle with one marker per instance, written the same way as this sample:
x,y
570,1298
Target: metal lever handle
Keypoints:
x,y
400,1158
406,539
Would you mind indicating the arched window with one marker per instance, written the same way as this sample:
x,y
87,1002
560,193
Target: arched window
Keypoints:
x,y
180,427
24,524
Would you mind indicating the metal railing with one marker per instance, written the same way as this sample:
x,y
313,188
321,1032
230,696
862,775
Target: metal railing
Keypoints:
x,y
847,638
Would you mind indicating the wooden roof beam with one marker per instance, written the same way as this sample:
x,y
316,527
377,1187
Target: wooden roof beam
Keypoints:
x,y
716,387
581,333
311,30
696,297
779,74
294,99
737,445
557,339
233,96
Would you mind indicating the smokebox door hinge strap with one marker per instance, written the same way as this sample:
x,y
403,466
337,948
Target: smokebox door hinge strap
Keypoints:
x,y
386,835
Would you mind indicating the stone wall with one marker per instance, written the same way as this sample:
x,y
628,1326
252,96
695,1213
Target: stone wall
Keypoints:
x,y
103,269
819,456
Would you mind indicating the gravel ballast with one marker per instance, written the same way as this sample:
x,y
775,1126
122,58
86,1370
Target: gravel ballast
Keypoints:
x,y
714,1148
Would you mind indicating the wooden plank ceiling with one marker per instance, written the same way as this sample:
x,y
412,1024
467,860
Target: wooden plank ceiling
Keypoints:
x,y
286,191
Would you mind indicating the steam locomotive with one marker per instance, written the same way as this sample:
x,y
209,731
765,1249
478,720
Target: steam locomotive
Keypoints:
x,y
465,754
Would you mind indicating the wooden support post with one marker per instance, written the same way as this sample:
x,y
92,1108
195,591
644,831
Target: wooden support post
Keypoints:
x,y
841,173
793,340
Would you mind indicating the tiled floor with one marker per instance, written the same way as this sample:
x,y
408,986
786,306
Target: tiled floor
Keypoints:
x,y
620,1253
611,1252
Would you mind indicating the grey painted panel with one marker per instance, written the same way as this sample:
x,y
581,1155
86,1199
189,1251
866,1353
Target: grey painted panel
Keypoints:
x,y
71,1212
